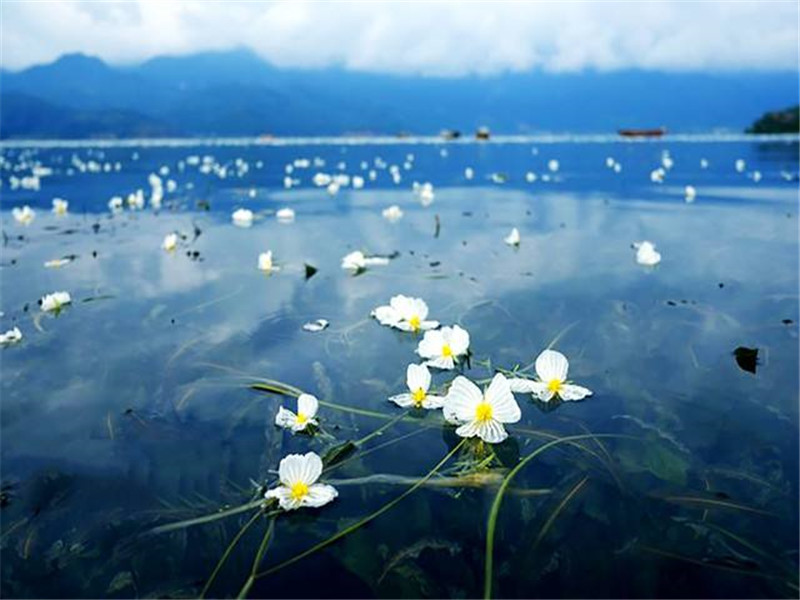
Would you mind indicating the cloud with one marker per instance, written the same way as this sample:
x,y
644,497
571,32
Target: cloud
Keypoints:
x,y
430,38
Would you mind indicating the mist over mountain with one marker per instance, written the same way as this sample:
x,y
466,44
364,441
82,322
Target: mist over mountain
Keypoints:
x,y
236,93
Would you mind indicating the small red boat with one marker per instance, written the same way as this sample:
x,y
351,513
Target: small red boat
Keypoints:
x,y
642,132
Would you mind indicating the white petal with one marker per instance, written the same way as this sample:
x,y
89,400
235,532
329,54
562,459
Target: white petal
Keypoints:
x,y
461,400
419,308
459,340
308,405
520,385
431,344
425,325
285,418
433,402
418,376
504,408
441,362
403,305
373,261
492,432
284,496
573,392
386,315
312,468
544,393
402,400
319,494
468,430
550,365
290,471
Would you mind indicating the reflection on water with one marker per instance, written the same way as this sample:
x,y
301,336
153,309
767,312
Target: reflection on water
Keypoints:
x,y
131,408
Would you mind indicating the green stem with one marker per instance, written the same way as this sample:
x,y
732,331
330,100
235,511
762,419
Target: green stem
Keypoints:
x,y
227,553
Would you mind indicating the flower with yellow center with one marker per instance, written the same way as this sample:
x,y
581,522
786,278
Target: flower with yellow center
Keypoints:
x,y
55,302
170,242
307,407
481,414
418,380
405,313
551,370
444,347
60,206
265,262
298,475
24,215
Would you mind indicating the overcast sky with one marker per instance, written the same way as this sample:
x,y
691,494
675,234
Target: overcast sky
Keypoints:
x,y
425,37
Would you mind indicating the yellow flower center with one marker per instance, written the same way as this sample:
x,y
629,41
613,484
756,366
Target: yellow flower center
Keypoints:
x,y
418,396
414,322
301,418
299,490
554,385
483,412
446,350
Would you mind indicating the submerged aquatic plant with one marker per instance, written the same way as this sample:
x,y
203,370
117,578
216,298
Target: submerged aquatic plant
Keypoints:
x,y
298,475
551,369
481,414
405,313
418,380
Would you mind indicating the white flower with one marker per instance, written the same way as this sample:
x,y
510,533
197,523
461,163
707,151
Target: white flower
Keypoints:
x,y
115,204
657,175
170,242
703,163
469,173
55,301
321,179
667,162
481,414
307,406
285,215
265,262
393,213
357,262
358,182
756,176
551,369
24,215
60,206
405,313
512,239
690,193
333,188
530,177
553,165
57,262
136,200
646,253
418,380
316,326
426,194
242,217
740,165
610,162
442,347
298,474
12,336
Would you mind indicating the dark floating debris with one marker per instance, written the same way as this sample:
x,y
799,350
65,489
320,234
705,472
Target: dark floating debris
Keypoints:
x,y
311,270
721,285
435,263
746,358
787,321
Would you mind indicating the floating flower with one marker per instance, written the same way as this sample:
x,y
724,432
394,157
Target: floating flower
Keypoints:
x,y
530,177
307,407
315,326
469,173
242,217
740,165
405,313
393,213
265,262
551,369
136,200
553,165
418,380
646,253
443,347
357,262
170,242
298,474
690,193
55,302
285,215
426,194
703,163
60,206
58,262
512,239
12,336
115,205
24,215
481,414
657,175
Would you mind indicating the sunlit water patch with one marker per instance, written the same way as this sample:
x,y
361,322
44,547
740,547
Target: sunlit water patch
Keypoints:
x,y
151,398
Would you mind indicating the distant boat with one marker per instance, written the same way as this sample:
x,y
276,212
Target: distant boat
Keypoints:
x,y
482,133
642,132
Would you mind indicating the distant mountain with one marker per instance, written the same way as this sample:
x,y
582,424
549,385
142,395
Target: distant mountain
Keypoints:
x,y
779,121
237,93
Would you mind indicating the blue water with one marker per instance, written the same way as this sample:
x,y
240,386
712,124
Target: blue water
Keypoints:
x,y
132,408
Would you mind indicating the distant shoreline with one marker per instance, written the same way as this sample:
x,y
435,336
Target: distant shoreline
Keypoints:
x,y
393,140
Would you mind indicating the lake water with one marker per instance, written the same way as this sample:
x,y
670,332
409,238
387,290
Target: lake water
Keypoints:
x,y
132,407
